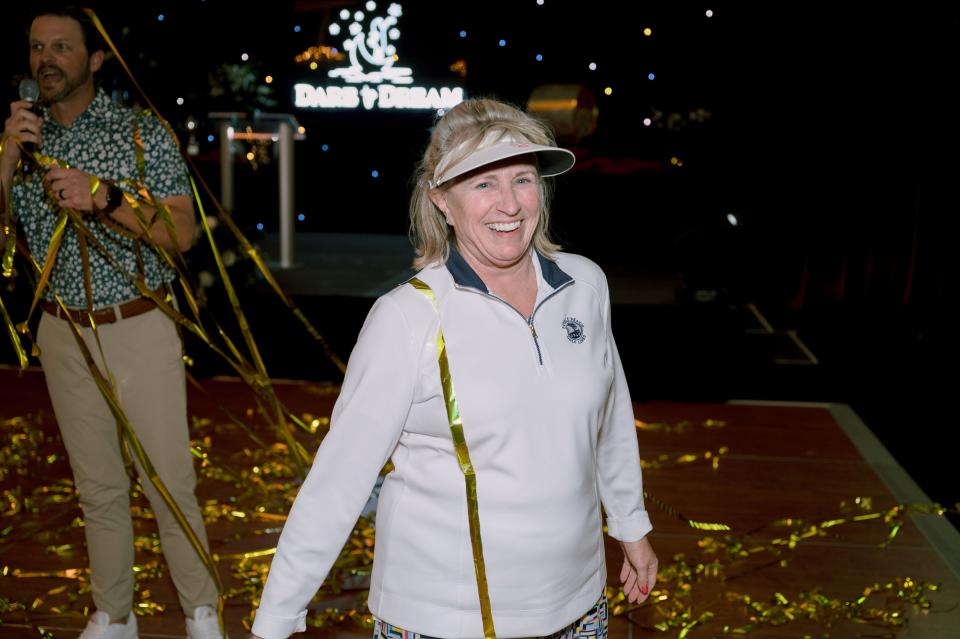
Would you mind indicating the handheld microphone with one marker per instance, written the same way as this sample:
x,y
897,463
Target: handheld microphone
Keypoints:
x,y
30,92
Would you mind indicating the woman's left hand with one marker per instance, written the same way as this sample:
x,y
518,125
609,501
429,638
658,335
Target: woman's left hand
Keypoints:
x,y
639,572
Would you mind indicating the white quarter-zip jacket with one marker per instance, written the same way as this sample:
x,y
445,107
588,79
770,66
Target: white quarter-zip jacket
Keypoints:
x,y
549,424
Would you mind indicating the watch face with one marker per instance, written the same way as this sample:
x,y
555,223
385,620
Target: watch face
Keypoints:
x,y
114,196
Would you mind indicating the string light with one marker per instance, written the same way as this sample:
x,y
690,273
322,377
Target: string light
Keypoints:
x,y
592,66
608,91
319,53
268,79
539,57
460,67
648,31
244,57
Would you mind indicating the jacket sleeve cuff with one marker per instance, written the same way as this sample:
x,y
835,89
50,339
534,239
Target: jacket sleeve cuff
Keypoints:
x,y
632,528
271,626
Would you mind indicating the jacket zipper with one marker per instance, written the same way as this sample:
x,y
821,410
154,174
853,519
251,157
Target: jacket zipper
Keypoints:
x,y
527,321
536,342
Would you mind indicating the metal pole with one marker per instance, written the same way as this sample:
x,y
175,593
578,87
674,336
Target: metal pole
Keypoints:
x,y
226,166
286,195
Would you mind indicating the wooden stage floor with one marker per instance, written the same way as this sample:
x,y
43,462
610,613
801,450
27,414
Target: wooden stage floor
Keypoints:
x,y
803,488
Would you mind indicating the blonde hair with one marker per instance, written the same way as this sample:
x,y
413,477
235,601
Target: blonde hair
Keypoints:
x,y
460,132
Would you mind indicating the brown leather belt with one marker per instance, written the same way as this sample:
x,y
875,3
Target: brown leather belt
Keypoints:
x,y
107,315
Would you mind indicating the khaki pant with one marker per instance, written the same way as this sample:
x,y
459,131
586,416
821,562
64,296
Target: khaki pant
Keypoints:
x,y
143,353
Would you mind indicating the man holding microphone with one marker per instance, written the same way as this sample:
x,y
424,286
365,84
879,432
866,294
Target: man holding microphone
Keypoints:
x,y
138,346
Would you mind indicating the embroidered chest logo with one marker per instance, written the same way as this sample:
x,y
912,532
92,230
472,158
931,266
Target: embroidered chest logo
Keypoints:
x,y
574,328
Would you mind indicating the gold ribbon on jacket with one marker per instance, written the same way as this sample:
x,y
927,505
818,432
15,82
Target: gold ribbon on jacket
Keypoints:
x,y
463,457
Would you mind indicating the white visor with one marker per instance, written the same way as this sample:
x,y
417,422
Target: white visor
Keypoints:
x,y
551,160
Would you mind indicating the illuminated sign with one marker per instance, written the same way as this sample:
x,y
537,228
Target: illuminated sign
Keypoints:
x,y
372,79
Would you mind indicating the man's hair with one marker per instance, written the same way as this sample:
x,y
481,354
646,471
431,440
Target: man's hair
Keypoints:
x,y
91,37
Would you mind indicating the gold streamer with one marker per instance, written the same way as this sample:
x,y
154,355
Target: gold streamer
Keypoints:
x,y
253,254
699,525
258,379
466,466
106,38
270,396
9,225
14,337
250,250
49,260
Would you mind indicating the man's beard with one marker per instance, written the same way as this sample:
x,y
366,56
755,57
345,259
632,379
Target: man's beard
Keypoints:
x,y
70,85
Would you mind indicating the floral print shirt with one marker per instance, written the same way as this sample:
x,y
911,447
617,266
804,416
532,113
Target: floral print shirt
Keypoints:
x,y
101,142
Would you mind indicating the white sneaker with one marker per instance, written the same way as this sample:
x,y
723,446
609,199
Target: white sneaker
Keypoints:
x,y
99,627
204,624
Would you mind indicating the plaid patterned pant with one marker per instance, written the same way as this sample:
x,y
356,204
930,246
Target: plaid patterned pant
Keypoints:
x,y
592,625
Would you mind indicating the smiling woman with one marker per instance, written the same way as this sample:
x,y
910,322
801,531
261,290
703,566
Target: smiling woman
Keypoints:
x,y
522,332
493,212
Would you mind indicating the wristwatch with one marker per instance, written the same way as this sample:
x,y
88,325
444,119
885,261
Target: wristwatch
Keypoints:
x,y
114,198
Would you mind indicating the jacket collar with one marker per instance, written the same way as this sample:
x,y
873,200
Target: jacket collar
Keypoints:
x,y
463,275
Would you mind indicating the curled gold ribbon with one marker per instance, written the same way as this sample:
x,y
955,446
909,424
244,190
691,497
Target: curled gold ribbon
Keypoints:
x,y
667,508
466,466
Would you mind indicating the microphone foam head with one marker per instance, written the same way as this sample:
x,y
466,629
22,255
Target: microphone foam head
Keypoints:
x,y
29,90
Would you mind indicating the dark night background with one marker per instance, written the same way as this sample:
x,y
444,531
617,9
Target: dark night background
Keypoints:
x,y
830,131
